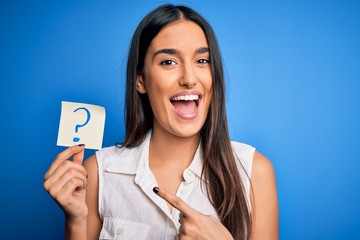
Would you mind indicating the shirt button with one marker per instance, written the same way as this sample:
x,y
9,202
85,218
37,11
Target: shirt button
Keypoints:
x,y
119,231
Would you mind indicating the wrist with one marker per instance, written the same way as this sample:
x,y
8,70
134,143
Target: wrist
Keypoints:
x,y
75,228
75,222
76,218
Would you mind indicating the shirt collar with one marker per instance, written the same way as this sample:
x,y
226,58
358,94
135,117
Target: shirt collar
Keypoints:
x,y
131,160
197,164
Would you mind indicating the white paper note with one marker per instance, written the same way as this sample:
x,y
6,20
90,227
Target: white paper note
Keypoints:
x,y
81,123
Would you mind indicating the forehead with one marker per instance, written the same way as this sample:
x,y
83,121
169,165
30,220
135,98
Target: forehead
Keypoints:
x,y
180,34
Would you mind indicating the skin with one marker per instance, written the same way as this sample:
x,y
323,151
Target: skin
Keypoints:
x,y
264,199
185,70
175,65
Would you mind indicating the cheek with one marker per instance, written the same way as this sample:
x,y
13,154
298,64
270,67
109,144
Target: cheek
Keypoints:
x,y
206,77
208,85
157,79
156,89
210,94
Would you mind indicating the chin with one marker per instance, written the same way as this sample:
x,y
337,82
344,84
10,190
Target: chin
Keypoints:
x,y
188,131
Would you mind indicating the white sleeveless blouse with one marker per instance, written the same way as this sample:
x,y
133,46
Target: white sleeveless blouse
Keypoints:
x,y
131,210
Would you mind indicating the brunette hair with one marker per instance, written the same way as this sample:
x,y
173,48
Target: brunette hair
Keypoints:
x,y
225,188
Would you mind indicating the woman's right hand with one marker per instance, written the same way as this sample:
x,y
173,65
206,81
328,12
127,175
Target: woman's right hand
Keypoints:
x,y
66,181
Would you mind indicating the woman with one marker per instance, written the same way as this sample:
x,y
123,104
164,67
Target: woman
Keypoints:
x,y
177,174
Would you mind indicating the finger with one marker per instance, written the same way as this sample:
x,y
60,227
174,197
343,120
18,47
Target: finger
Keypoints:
x,y
78,157
63,175
176,202
68,190
177,237
63,156
64,167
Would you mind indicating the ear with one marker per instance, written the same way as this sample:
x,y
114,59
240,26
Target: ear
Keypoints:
x,y
140,86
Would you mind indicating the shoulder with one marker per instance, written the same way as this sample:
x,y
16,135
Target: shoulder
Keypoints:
x,y
256,165
91,167
241,147
264,198
90,163
262,176
118,159
109,152
244,154
105,157
262,169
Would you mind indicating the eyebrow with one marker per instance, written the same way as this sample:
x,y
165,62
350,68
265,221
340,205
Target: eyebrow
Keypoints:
x,y
173,51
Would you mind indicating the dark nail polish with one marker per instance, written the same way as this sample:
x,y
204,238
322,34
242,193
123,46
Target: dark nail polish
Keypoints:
x,y
156,190
81,145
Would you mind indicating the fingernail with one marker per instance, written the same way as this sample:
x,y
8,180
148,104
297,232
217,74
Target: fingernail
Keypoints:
x,y
156,190
81,145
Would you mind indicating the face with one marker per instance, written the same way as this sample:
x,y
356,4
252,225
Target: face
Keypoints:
x,y
177,78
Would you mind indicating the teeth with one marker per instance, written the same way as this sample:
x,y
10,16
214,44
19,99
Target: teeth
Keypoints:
x,y
185,98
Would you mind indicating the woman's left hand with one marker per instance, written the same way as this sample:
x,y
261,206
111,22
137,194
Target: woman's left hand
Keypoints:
x,y
195,225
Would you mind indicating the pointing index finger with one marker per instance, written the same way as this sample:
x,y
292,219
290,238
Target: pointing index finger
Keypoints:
x,y
175,201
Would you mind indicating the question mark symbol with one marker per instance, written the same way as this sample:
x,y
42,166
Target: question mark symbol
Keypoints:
x,y
76,139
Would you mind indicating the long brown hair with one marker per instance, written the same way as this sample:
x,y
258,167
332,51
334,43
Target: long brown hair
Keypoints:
x,y
225,188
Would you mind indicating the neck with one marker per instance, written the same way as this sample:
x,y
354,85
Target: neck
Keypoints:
x,y
168,149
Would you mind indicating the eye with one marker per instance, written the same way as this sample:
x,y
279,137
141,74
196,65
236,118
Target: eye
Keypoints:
x,y
203,61
167,62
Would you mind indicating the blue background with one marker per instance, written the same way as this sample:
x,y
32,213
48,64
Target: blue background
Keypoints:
x,y
293,87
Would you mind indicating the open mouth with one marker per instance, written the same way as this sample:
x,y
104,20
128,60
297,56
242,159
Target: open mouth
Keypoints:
x,y
185,105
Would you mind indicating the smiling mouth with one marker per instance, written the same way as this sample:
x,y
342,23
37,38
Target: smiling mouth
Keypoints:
x,y
185,105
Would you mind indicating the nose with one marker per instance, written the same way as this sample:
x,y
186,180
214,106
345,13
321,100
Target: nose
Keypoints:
x,y
187,77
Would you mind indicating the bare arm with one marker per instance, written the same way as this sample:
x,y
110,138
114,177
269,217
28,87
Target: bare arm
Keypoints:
x,y
94,222
264,200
